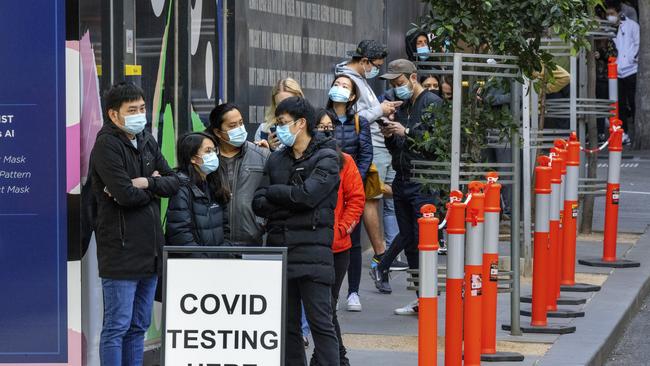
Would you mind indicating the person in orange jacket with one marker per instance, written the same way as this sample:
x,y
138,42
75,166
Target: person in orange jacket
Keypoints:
x,y
349,208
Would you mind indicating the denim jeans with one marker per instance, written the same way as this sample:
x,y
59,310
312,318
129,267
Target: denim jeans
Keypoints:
x,y
382,159
127,315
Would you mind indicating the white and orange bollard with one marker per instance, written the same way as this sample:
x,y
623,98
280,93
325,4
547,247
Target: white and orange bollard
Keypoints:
x,y
492,210
455,277
474,221
542,278
541,242
570,219
428,277
612,198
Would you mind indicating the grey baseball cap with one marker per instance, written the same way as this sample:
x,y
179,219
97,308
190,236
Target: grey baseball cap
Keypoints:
x,y
399,67
371,49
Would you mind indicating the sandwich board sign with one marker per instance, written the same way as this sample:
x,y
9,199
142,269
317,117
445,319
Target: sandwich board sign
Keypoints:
x,y
225,311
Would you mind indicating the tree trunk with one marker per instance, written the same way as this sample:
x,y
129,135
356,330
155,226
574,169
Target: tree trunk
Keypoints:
x,y
642,114
592,137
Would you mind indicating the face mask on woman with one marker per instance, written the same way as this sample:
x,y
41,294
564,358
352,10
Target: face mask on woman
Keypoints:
x,y
339,94
210,163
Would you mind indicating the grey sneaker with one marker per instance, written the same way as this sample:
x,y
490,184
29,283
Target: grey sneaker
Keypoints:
x,y
398,265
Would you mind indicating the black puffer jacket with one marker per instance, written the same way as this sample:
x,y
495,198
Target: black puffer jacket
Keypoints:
x,y
128,231
299,203
194,218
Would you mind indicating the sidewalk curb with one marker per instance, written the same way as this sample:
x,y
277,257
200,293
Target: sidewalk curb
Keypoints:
x,y
607,314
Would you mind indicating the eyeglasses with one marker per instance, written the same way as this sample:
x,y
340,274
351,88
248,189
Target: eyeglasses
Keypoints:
x,y
373,64
324,128
285,123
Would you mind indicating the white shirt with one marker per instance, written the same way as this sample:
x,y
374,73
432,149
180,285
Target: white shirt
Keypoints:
x,y
627,44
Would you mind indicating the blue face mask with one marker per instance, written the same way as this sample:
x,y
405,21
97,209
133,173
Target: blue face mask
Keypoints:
x,y
403,92
374,71
134,123
237,136
424,50
210,163
285,135
339,94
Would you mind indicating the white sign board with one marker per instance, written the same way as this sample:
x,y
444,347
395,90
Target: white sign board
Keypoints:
x,y
223,312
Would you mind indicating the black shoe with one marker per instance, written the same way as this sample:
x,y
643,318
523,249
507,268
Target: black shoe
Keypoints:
x,y
398,265
442,249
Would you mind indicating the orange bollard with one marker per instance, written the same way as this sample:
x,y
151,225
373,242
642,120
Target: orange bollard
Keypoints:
x,y
474,218
570,218
560,149
455,274
611,204
492,209
428,279
540,260
554,231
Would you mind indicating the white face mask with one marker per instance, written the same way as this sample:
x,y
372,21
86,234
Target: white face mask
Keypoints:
x,y
612,18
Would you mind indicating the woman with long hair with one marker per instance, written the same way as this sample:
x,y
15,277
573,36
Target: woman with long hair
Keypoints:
x,y
195,213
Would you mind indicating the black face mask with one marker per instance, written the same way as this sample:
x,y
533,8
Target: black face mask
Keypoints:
x,y
328,134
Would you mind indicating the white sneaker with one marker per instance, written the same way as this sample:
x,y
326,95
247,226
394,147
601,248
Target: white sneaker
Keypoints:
x,y
354,304
410,309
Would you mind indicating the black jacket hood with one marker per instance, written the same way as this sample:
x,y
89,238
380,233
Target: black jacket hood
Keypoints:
x,y
410,40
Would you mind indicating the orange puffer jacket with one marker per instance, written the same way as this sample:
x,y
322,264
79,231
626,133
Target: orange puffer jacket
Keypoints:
x,y
349,206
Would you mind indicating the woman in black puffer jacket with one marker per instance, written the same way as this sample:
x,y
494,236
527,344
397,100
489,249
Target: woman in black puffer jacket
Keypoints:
x,y
195,214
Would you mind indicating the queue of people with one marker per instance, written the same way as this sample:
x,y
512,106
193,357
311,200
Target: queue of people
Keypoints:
x,y
308,182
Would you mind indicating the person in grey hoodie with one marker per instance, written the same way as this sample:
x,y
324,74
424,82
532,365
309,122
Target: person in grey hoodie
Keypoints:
x,y
365,62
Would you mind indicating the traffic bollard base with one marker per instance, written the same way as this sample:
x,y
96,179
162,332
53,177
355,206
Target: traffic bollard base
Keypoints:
x,y
562,300
580,287
618,263
559,313
502,357
547,329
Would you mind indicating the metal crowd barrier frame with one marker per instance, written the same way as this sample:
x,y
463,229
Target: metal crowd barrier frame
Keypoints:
x,y
455,172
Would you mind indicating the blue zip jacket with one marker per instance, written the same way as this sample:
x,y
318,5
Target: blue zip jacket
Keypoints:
x,y
358,145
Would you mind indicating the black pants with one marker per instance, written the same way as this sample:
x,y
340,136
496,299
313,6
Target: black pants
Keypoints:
x,y
626,95
341,263
408,197
354,268
317,299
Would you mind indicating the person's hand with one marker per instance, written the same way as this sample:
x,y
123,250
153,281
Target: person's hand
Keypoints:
x,y
396,128
385,130
141,183
274,141
387,190
388,107
263,143
596,55
155,174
